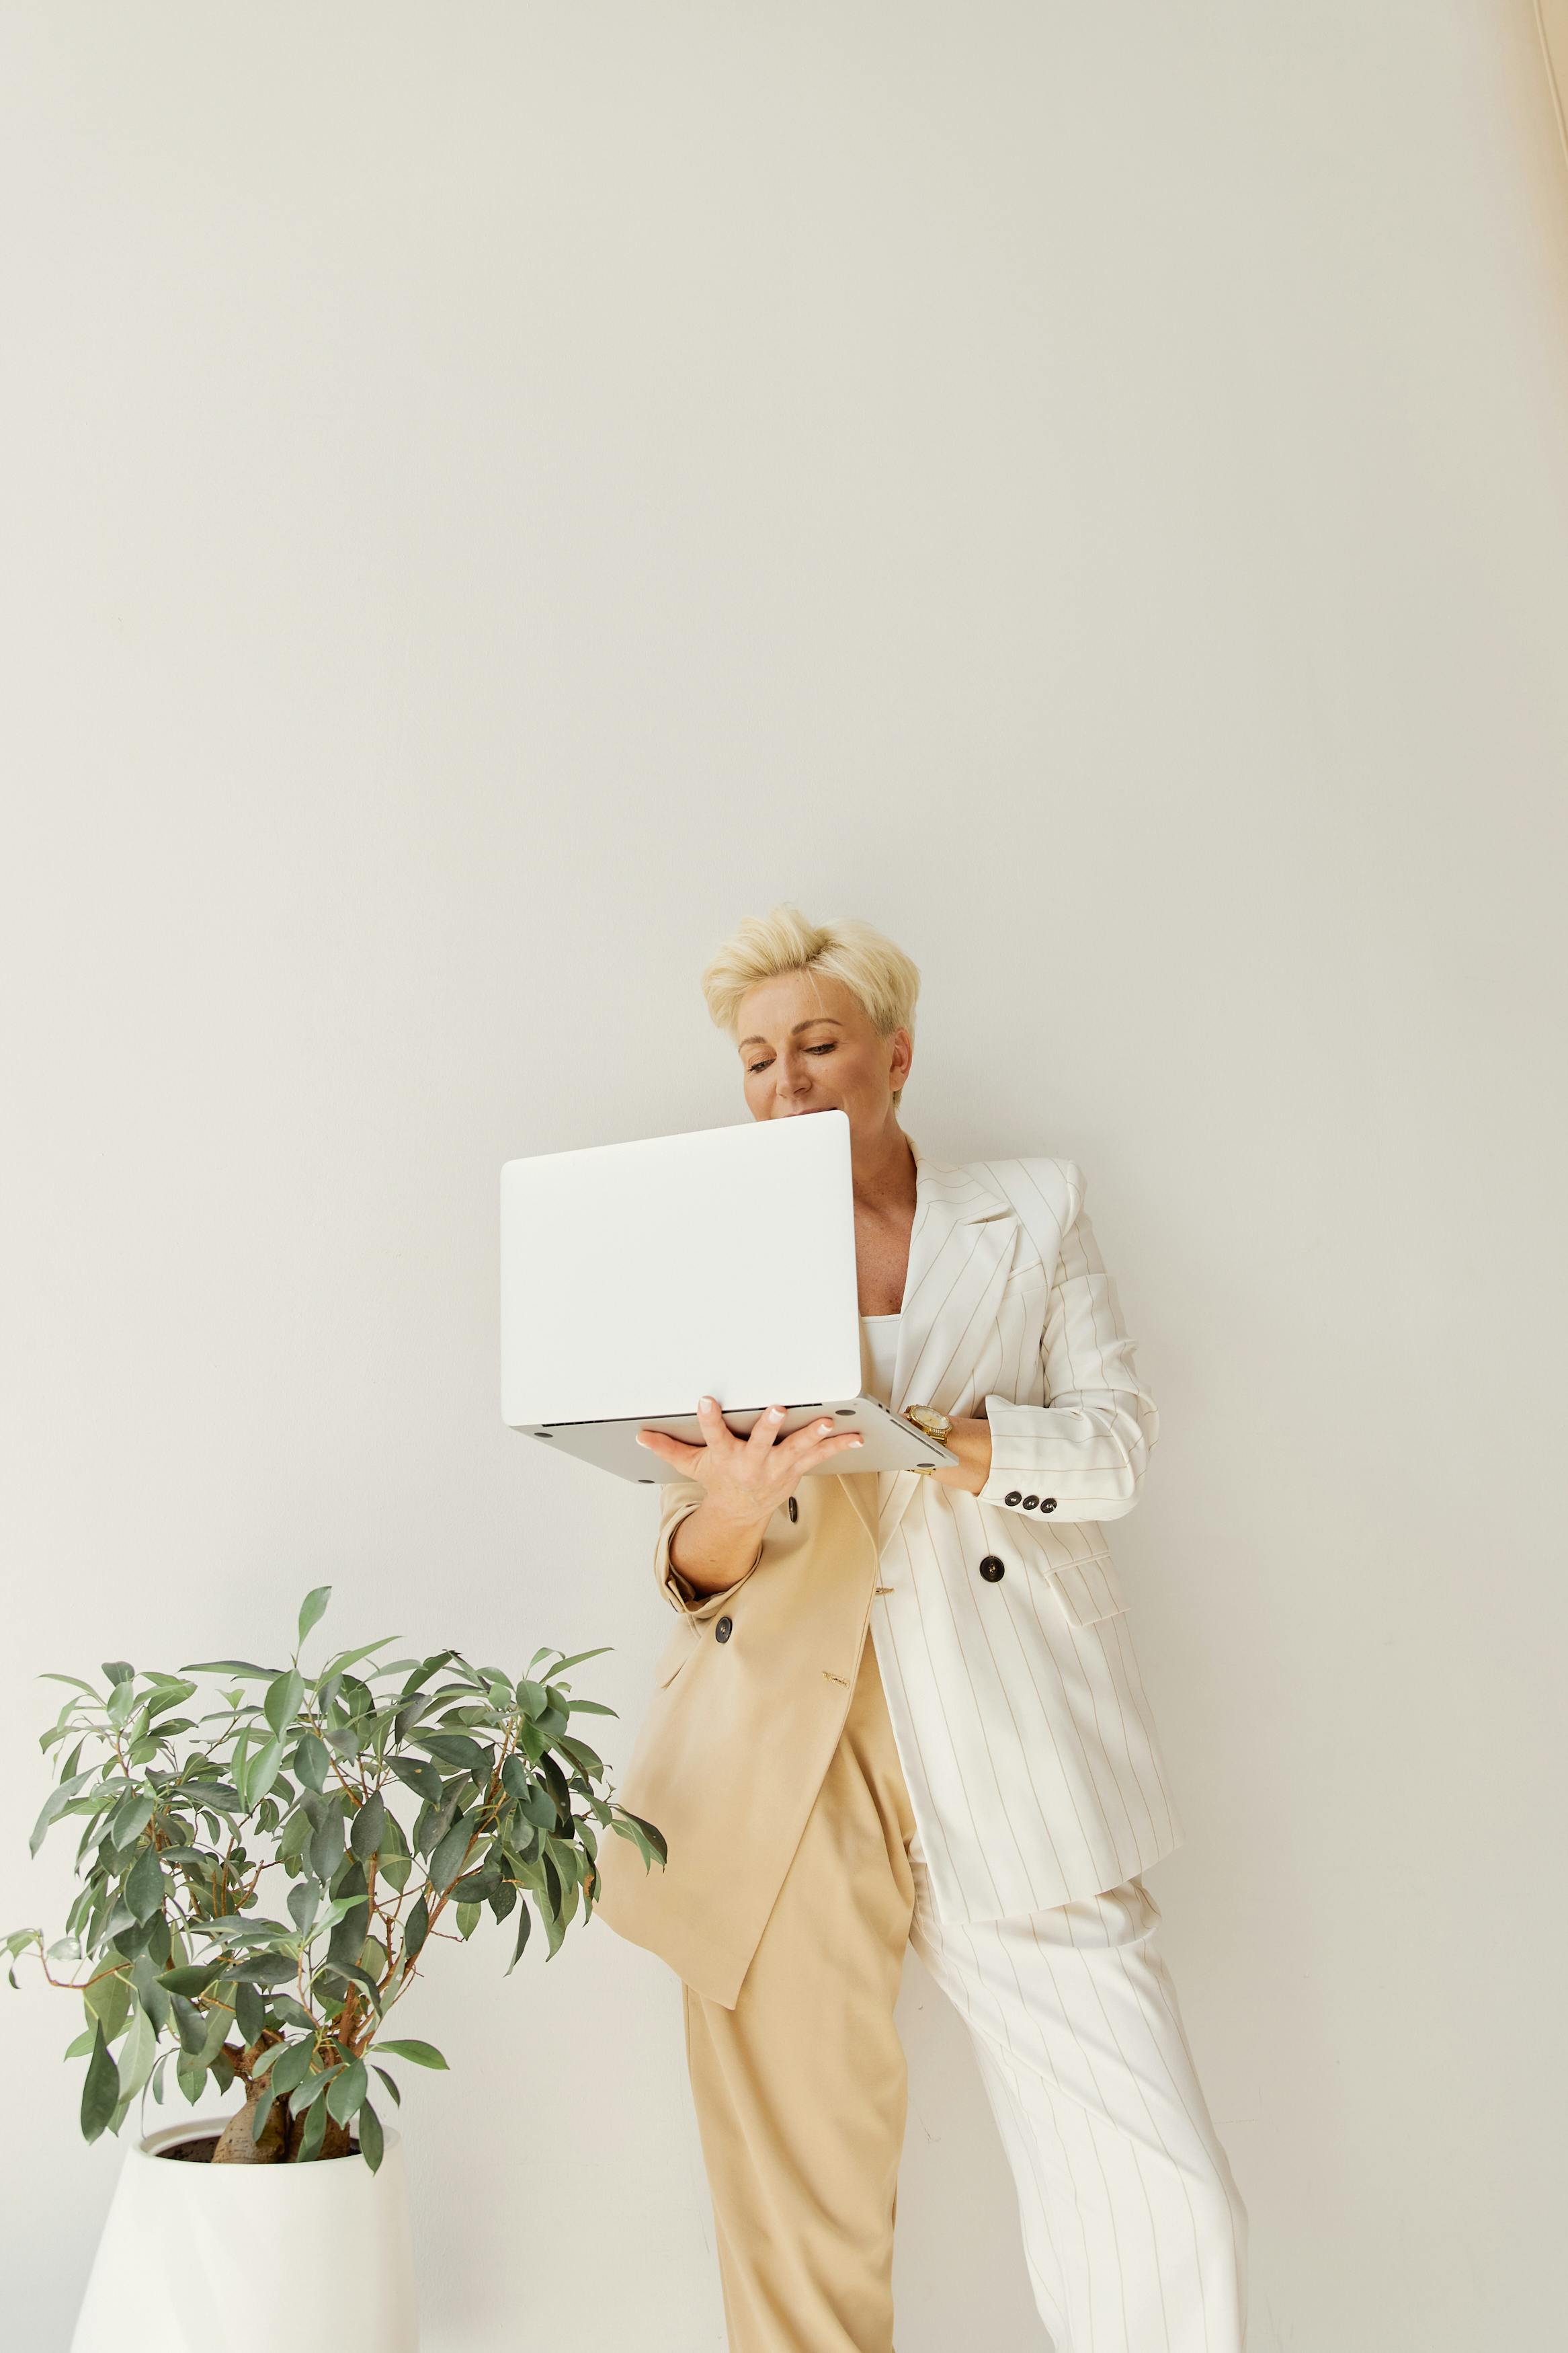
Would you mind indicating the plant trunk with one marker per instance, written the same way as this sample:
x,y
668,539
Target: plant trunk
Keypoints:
x,y
237,2144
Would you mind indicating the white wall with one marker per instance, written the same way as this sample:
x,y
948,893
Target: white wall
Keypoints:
x,y
496,494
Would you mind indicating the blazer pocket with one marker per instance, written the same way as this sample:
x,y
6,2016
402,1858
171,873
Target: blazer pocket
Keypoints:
x,y
1089,1590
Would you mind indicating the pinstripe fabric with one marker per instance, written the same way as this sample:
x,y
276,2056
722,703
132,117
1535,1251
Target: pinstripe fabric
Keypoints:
x,y
1032,1758
1133,2230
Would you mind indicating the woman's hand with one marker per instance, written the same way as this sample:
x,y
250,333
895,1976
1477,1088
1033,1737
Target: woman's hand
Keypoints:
x,y
970,1439
747,1479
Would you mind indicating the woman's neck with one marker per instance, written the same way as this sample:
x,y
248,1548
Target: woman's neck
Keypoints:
x,y
883,1176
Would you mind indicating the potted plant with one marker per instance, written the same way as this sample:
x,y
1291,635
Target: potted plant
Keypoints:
x,y
268,1859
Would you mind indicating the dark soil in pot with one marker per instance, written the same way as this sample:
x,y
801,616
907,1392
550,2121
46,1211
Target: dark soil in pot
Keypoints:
x,y
199,2149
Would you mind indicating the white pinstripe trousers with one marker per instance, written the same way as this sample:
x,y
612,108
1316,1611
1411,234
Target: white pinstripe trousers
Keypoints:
x,y
1133,2230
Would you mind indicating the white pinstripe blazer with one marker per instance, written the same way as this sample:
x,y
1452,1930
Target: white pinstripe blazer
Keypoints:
x,y
1034,1764
1019,1712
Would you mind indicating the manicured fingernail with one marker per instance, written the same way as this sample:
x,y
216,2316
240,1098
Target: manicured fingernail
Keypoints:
x,y
775,1413
707,1400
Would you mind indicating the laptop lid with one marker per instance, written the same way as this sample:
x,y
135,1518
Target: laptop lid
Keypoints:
x,y
636,1276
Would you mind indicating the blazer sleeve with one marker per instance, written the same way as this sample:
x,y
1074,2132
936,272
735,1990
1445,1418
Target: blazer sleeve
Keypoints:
x,y
1081,1454
679,1498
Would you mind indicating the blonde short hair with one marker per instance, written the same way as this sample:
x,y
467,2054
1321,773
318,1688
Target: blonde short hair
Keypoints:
x,y
884,981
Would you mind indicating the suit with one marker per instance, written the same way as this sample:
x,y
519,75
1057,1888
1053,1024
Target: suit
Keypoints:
x,y
999,1624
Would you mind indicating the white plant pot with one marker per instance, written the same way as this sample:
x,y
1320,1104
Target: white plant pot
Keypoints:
x,y
252,2258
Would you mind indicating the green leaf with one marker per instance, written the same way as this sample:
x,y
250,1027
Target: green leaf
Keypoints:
x,y
190,2024
265,1768
421,2055
349,1933
419,1776
132,1816
532,1697
418,1928
391,2082
169,1693
467,1919
654,1836
314,2134
591,1707
245,1668
307,2094
144,1886
370,2140
524,1923
454,1749
341,1660
263,1968
364,1831
447,1863
249,2011
283,1698
539,1807
153,1997
326,1848
100,2090
137,2053
311,1762
577,1660
56,1803
346,2092
108,2000
290,2070
351,1972
193,1977
312,1609
119,1671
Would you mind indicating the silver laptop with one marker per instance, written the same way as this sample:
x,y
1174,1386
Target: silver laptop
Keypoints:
x,y
638,1277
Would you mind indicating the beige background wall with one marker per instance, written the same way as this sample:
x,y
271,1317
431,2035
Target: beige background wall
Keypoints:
x,y
492,495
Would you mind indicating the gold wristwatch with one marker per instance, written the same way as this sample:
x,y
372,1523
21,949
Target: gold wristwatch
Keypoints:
x,y
935,1424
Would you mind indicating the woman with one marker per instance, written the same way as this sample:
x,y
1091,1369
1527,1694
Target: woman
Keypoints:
x,y
981,1778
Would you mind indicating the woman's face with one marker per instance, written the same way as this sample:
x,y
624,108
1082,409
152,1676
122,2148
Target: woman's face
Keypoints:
x,y
805,1045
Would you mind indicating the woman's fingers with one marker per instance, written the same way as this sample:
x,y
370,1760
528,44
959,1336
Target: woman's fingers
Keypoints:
x,y
670,1450
765,1429
758,1464
720,1438
807,1441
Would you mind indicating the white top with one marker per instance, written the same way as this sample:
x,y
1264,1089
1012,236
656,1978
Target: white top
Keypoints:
x,y
879,1349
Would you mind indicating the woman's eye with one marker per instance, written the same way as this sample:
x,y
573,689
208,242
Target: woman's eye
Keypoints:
x,y
822,1050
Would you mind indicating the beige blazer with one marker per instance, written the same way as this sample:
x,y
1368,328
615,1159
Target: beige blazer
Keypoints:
x,y
1001,1627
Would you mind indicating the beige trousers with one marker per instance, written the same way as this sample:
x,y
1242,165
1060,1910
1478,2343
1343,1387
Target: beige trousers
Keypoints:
x,y
1133,2230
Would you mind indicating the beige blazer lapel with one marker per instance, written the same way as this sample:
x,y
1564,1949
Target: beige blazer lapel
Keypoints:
x,y
962,1247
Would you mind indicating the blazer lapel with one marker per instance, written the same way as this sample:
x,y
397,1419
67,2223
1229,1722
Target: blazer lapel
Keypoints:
x,y
962,1247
